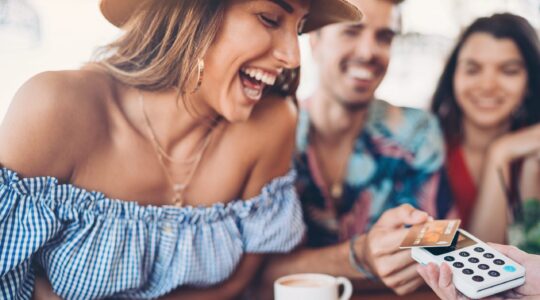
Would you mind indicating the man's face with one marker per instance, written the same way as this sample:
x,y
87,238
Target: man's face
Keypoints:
x,y
353,57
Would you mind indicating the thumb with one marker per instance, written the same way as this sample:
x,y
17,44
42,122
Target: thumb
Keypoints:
x,y
511,251
402,215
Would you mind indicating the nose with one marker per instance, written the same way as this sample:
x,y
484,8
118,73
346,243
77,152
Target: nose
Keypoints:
x,y
287,51
488,81
366,46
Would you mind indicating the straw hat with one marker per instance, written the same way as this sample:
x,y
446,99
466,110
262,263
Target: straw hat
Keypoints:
x,y
322,12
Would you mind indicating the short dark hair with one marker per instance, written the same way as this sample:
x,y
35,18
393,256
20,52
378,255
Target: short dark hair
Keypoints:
x,y
501,26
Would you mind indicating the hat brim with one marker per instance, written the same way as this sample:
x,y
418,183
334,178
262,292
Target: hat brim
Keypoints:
x,y
326,12
322,12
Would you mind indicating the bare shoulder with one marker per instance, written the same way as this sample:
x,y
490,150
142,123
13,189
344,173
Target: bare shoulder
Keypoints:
x,y
269,137
274,119
51,121
271,125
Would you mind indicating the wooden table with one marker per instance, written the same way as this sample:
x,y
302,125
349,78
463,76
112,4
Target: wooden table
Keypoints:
x,y
377,291
423,294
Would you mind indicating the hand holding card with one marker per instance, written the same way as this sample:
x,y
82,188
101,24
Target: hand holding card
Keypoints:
x,y
438,233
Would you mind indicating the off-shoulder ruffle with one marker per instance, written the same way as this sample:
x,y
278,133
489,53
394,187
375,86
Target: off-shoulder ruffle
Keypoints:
x,y
91,246
71,199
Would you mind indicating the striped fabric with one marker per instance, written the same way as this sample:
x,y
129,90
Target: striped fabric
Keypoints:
x,y
93,247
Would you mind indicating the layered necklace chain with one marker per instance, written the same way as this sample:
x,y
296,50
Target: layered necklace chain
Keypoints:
x,y
178,188
335,189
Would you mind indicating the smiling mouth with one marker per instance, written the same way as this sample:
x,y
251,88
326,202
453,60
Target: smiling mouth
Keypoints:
x,y
487,103
359,73
254,80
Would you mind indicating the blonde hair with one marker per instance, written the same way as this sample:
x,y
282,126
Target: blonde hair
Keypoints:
x,y
162,44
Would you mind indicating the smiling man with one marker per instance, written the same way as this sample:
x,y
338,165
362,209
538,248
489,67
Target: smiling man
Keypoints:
x,y
360,157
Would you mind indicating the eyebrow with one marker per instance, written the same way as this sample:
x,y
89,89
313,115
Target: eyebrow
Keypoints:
x,y
513,61
360,25
286,6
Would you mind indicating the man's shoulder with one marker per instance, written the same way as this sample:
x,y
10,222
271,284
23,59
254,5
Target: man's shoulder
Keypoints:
x,y
413,130
402,122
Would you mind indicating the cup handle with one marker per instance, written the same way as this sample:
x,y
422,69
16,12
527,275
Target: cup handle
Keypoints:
x,y
347,288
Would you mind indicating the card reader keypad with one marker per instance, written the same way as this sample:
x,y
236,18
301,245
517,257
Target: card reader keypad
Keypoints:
x,y
478,270
476,264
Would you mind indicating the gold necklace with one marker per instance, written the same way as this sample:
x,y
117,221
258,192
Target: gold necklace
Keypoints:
x,y
178,189
336,188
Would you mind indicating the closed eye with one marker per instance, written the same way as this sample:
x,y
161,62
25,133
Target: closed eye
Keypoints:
x,y
269,21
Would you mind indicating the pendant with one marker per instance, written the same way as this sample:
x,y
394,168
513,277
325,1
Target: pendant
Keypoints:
x,y
177,200
336,190
179,187
178,190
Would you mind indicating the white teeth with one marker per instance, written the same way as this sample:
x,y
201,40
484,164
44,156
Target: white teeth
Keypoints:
x,y
261,75
253,94
361,73
253,73
487,103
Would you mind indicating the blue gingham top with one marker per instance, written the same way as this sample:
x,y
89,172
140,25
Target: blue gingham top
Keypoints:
x,y
91,246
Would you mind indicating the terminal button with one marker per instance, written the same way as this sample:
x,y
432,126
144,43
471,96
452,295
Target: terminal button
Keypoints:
x,y
478,278
474,260
467,271
494,273
483,266
509,268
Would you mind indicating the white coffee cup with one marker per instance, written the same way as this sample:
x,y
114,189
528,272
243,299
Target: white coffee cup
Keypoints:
x,y
311,286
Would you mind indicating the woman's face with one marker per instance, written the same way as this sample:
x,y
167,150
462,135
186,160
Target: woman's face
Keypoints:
x,y
490,80
256,42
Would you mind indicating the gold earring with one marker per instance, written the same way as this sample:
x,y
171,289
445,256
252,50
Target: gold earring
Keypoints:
x,y
200,74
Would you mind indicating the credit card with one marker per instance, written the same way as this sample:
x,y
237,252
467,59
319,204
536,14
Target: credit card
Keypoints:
x,y
437,233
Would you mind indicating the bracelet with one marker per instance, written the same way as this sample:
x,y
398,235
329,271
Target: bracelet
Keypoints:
x,y
355,262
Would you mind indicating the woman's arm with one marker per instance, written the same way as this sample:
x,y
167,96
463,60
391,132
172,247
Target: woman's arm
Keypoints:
x,y
229,289
490,216
530,178
39,136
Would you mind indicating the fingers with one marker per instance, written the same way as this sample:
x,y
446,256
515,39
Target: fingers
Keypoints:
x,y
439,282
410,286
384,242
391,264
430,273
399,216
445,276
511,251
401,277
422,270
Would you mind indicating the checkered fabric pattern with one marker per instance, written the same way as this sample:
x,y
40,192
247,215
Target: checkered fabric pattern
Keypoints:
x,y
93,247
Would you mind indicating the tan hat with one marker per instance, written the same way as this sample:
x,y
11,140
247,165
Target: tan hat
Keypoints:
x,y
322,12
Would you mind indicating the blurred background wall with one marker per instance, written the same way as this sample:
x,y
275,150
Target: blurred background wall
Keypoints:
x,y
39,35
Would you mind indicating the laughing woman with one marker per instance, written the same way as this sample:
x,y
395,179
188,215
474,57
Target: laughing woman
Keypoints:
x,y
488,103
124,179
